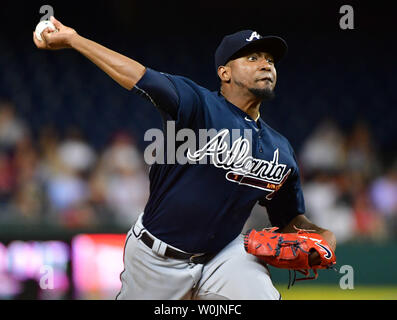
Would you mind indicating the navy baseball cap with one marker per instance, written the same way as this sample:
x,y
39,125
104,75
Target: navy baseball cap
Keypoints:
x,y
232,44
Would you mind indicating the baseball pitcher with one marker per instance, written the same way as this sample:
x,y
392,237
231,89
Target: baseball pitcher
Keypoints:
x,y
187,244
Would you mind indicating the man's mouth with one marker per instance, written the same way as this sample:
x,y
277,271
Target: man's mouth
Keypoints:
x,y
265,79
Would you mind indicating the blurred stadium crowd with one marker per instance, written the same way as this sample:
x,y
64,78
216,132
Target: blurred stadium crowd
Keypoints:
x,y
66,181
346,187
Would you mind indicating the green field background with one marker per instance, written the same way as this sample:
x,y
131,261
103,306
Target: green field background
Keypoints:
x,y
330,292
374,275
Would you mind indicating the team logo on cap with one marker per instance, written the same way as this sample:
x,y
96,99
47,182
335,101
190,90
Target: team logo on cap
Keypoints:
x,y
254,35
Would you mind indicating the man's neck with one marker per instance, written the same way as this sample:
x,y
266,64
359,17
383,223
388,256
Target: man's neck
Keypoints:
x,y
250,105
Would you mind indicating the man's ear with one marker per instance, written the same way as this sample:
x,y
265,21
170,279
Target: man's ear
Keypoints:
x,y
224,73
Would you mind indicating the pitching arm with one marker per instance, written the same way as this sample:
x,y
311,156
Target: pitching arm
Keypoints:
x,y
125,71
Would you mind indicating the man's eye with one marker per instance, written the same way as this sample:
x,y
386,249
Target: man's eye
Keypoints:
x,y
270,61
252,58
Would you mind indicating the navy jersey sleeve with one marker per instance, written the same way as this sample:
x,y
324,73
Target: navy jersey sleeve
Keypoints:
x,y
174,96
287,203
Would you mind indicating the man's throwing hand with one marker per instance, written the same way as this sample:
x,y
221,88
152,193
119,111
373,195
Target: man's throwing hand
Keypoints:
x,y
55,40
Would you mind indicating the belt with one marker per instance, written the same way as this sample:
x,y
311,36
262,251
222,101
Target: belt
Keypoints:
x,y
200,258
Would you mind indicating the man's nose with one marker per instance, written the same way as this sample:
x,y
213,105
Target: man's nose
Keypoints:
x,y
265,65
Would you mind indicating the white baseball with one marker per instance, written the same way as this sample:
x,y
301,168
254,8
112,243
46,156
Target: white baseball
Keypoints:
x,y
43,25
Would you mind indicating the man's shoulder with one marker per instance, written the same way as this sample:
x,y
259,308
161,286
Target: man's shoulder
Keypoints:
x,y
185,81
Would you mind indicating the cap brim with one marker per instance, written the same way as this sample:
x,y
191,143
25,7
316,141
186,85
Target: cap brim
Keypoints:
x,y
274,45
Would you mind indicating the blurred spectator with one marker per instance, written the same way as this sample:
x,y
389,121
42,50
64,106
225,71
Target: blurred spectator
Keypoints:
x,y
12,129
26,205
326,206
361,156
337,171
64,171
122,154
75,153
323,150
384,197
326,189
121,179
66,190
28,195
369,223
68,196
7,178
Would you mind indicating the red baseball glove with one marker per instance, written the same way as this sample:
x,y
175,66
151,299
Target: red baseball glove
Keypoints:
x,y
290,250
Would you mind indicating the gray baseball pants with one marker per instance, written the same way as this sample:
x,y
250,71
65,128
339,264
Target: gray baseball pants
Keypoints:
x,y
232,274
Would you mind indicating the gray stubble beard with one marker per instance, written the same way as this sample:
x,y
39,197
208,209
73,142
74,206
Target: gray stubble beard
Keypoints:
x,y
265,94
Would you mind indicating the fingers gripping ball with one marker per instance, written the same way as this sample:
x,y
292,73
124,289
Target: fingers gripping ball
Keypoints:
x,y
289,250
41,26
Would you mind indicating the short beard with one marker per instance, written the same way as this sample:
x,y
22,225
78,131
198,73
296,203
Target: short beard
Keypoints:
x,y
265,94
